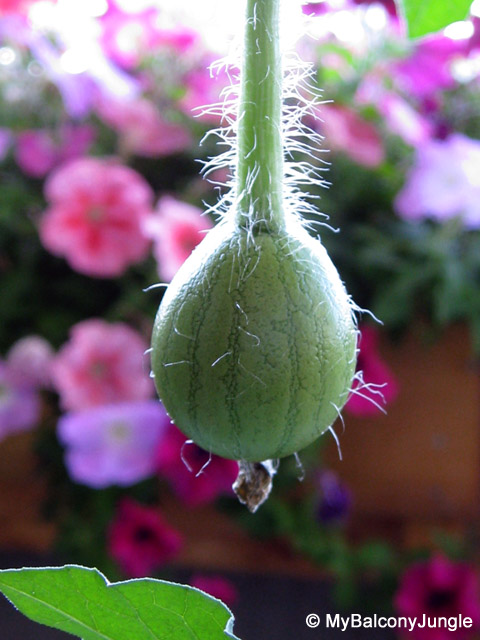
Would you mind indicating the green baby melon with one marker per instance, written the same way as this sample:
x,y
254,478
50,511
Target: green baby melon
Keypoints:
x,y
254,343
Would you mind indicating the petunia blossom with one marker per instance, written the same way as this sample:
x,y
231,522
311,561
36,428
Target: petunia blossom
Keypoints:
x,y
141,128
140,540
194,475
38,151
126,37
35,153
346,131
216,586
112,444
444,182
19,405
375,383
428,69
437,588
29,362
95,216
203,87
102,363
175,228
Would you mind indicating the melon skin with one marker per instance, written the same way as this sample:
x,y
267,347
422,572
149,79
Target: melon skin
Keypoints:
x,y
254,343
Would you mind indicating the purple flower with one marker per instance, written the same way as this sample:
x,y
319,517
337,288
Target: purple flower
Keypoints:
x,y
37,152
335,498
444,182
29,362
19,406
113,444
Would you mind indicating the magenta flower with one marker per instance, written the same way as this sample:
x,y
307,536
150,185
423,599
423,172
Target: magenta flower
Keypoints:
x,y
346,131
95,216
176,228
102,363
140,540
428,70
375,384
19,405
141,128
113,444
29,362
439,587
206,476
444,182
216,586
128,37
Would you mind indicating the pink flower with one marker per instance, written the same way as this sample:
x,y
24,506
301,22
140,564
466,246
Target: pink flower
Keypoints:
x,y
128,37
443,182
113,444
216,586
346,131
19,405
202,89
439,587
194,488
102,363
37,152
403,120
29,361
176,228
142,130
14,6
140,540
377,383
95,216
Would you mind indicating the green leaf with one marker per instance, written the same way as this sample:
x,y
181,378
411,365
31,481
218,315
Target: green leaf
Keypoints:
x,y
427,16
82,602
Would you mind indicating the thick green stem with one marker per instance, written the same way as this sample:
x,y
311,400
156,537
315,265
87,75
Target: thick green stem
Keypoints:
x,y
260,139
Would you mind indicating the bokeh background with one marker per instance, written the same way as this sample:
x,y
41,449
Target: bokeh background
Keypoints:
x,y
102,131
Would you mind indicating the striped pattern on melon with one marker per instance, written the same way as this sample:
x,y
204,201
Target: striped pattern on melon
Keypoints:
x,y
254,344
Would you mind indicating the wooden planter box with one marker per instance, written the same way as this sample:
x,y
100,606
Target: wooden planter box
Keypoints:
x,y
418,467
411,471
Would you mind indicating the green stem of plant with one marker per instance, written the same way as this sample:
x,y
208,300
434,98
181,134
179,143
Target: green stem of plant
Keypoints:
x,y
260,169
